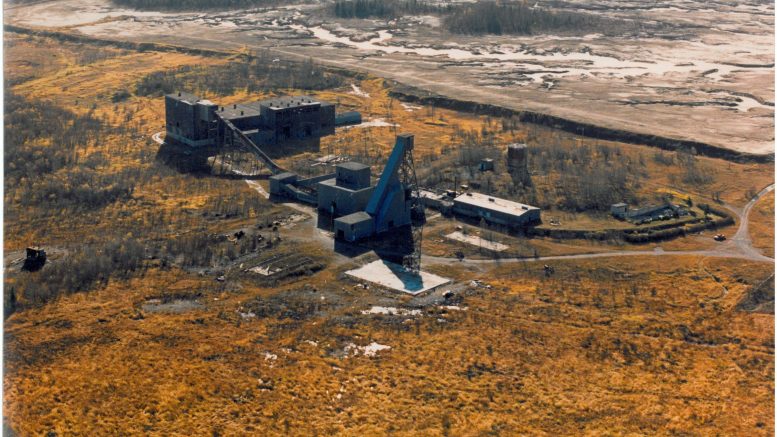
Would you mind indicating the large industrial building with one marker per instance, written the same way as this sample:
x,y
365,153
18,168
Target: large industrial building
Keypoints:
x,y
346,193
195,122
362,210
190,120
358,208
495,210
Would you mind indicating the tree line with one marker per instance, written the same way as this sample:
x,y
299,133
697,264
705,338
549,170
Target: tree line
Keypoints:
x,y
384,8
519,18
483,17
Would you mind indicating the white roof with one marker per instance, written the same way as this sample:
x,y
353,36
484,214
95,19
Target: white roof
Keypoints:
x,y
494,203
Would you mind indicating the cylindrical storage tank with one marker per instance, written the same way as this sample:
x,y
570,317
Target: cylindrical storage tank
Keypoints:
x,y
348,118
518,163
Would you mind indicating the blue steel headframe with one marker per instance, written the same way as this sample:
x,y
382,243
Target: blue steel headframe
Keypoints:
x,y
389,176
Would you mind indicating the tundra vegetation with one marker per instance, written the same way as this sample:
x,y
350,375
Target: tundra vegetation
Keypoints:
x,y
262,73
146,320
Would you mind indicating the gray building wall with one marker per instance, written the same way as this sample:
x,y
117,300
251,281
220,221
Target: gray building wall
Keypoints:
x,y
353,227
189,119
278,181
294,123
397,212
346,201
352,175
327,119
529,217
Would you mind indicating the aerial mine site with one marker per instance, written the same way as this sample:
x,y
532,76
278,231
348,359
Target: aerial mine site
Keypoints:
x,y
397,217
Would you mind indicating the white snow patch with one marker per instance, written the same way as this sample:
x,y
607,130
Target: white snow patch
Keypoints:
x,y
392,311
370,350
265,271
358,91
517,57
248,315
259,189
270,356
452,308
477,241
410,108
378,122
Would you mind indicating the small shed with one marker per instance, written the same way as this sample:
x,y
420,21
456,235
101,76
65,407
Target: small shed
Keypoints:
x,y
619,210
487,164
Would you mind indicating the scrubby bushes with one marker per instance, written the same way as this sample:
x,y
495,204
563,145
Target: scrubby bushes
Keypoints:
x,y
83,269
589,178
41,141
694,172
263,73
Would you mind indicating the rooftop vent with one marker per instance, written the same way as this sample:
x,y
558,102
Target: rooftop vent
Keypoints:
x,y
490,199
469,194
179,94
234,106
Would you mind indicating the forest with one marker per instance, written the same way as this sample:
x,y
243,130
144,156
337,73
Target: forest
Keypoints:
x,y
518,18
384,9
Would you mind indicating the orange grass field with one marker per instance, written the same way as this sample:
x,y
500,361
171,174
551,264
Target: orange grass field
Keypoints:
x,y
762,224
610,346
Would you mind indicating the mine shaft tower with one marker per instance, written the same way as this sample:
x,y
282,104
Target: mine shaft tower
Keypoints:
x,y
408,179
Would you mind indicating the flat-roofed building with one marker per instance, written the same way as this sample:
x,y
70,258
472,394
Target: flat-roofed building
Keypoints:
x,y
496,210
189,120
348,192
290,119
353,227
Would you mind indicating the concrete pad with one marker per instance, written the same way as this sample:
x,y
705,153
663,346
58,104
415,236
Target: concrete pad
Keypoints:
x,y
396,277
477,241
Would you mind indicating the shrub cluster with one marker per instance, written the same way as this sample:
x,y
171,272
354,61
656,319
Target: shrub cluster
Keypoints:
x,y
263,73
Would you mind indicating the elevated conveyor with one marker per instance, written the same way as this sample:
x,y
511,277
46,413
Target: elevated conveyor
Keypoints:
x,y
235,133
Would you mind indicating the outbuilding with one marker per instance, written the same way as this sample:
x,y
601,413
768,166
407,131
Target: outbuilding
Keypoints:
x,y
353,227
